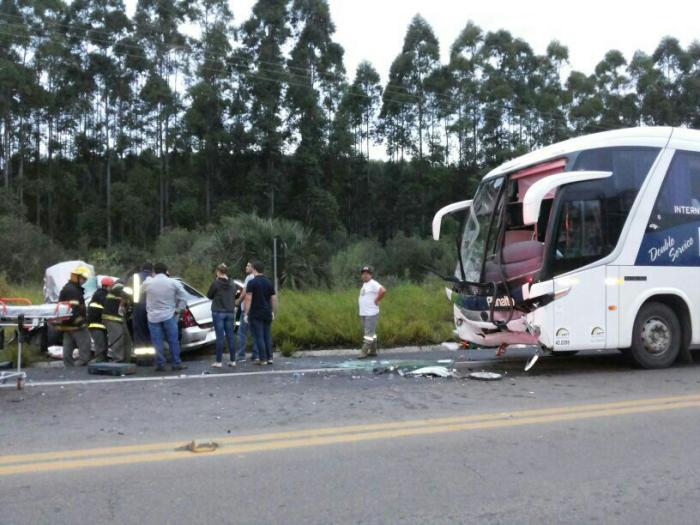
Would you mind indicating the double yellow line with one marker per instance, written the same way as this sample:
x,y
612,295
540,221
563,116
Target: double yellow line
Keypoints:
x,y
171,451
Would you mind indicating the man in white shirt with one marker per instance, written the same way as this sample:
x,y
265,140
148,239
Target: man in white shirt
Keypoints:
x,y
371,294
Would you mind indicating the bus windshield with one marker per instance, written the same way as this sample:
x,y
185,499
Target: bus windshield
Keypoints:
x,y
479,223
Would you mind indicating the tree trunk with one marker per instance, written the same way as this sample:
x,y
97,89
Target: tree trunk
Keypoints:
x,y
161,178
6,152
109,175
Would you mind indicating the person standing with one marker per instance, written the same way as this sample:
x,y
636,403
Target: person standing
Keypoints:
x,y
139,318
165,297
223,310
75,331
261,305
95,311
243,325
371,294
116,306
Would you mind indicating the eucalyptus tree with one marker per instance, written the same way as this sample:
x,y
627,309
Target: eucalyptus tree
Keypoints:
x,y
264,36
211,94
505,95
316,78
157,26
18,88
359,107
104,30
649,84
583,103
407,89
619,107
59,71
465,66
674,63
549,95
691,86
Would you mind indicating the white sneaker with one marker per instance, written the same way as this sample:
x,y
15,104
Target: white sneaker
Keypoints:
x,y
216,364
231,363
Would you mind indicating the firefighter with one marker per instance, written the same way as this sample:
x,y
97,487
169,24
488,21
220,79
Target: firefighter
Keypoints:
x,y
117,304
139,318
75,331
98,330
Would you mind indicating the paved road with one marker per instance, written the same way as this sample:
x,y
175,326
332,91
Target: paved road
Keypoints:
x,y
578,440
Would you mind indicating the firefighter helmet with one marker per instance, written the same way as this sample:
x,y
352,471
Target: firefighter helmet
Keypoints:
x,y
82,271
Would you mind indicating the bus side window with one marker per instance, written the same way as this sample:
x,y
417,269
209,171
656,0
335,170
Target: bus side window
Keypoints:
x,y
580,238
678,202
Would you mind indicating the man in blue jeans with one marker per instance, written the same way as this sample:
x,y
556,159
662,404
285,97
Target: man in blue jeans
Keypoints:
x,y
260,305
221,292
165,298
243,324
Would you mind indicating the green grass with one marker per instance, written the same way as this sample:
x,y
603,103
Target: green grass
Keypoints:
x,y
411,314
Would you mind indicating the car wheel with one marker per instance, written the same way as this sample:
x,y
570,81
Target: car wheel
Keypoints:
x,y
656,336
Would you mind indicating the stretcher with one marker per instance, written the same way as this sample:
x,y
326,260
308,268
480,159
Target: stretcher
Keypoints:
x,y
20,313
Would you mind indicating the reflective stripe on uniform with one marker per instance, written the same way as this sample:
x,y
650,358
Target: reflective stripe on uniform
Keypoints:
x,y
98,326
107,317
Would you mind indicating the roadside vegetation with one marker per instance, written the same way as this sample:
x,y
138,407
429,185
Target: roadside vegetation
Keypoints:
x,y
412,314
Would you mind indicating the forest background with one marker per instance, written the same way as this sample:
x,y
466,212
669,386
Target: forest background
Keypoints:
x,y
124,139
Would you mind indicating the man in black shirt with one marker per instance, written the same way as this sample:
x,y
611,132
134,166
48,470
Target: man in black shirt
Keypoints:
x,y
261,305
222,292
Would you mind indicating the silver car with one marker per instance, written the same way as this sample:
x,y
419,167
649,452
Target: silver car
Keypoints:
x,y
196,325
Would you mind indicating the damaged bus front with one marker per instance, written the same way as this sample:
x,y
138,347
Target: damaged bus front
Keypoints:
x,y
545,240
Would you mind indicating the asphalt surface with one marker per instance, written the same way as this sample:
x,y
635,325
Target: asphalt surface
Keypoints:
x,y
585,439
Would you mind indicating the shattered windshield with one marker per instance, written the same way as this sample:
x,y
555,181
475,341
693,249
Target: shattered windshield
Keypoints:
x,y
476,229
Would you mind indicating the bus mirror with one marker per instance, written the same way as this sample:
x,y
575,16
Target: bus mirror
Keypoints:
x,y
447,210
537,192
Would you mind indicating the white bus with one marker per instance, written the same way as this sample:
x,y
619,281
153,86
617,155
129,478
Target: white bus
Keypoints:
x,y
591,243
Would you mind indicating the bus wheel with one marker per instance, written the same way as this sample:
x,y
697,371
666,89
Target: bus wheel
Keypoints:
x,y
656,339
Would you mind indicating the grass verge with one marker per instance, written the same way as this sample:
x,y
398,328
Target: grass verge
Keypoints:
x,y
411,314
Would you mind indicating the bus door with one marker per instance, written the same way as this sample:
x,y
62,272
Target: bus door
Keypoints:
x,y
580,316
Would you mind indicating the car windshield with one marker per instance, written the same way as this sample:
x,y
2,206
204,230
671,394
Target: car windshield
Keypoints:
x,y
476,230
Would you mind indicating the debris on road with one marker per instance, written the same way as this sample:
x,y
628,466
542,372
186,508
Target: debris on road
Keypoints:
x,y
486,376
200,446
112,369
431,371
403,367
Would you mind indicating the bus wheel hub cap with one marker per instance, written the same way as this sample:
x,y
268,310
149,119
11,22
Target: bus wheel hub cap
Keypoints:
x,y
656,336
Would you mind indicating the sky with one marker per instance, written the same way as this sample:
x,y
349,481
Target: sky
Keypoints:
x,y
374,29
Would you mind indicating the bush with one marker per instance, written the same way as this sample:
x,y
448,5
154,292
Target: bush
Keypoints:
x,y
117,260
193,254
25,251
346,264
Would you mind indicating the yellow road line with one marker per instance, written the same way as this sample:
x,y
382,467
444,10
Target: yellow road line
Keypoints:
x,y
257,438
310,438
282,444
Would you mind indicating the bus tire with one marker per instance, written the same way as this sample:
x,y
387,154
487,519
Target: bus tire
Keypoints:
x,y
656,337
